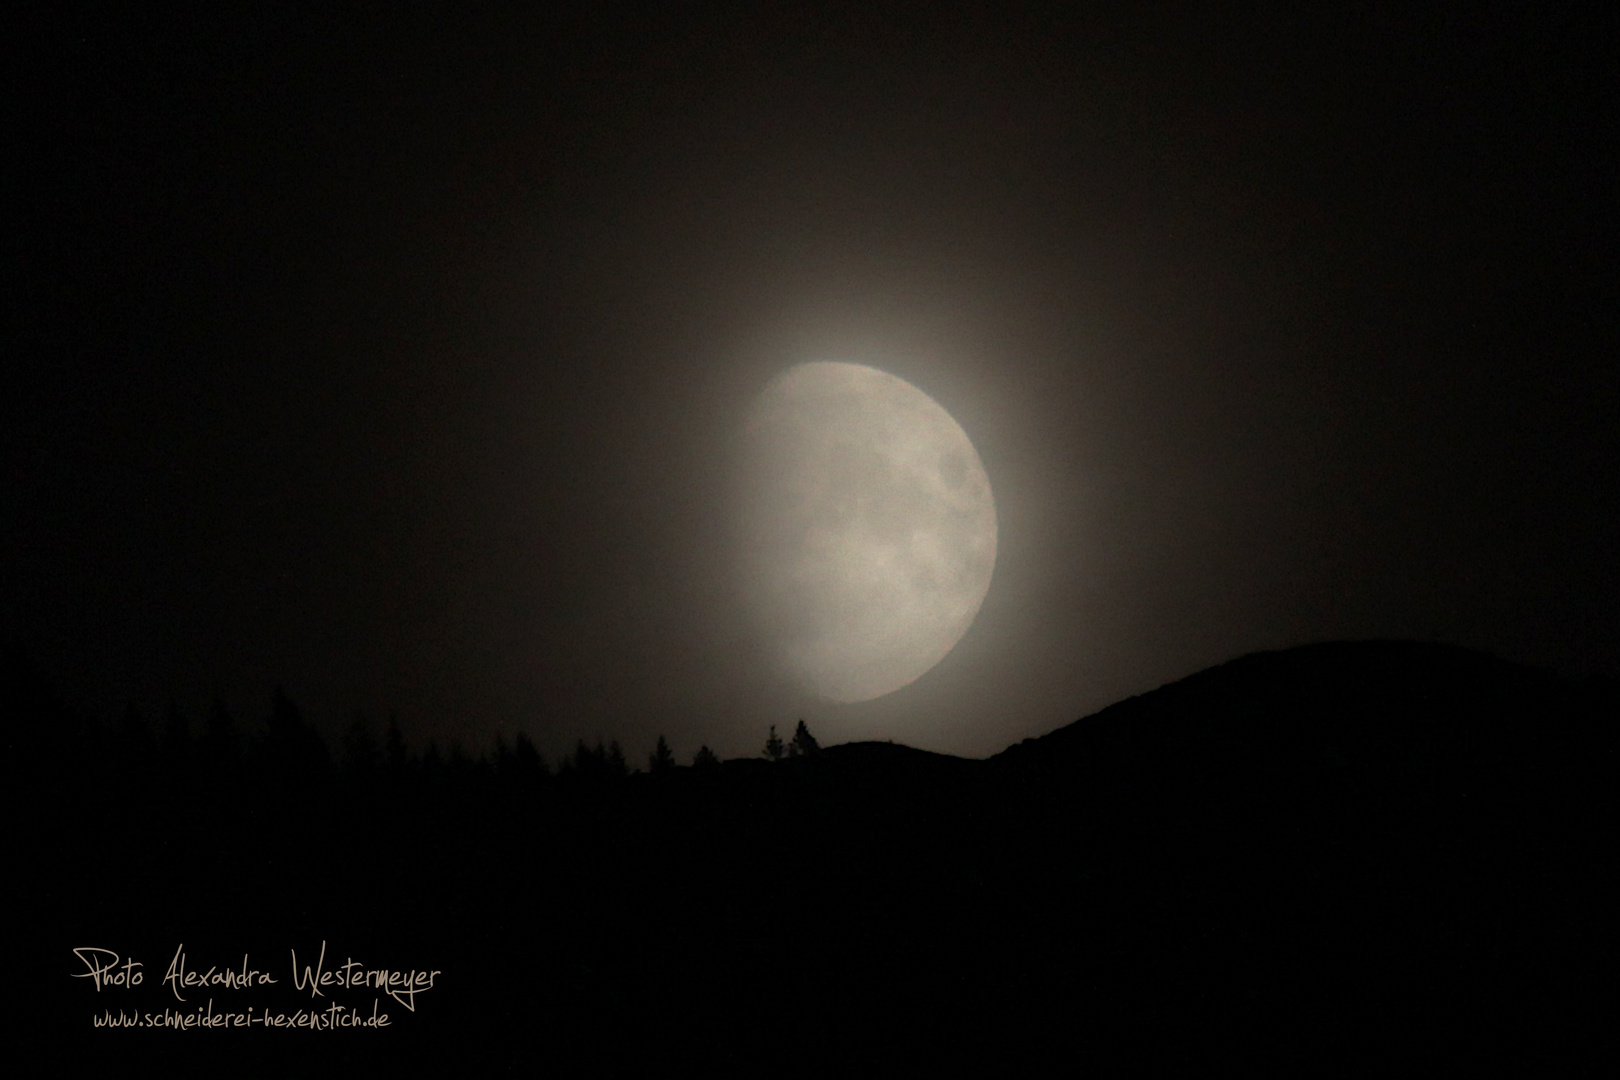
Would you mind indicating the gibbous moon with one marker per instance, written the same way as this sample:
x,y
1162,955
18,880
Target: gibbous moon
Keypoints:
x,y
868,529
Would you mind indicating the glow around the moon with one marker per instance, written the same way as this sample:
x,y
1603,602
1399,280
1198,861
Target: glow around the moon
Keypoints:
x,y
869,529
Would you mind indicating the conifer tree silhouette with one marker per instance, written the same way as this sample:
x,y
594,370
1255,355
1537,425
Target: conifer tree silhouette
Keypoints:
x,y
291,747
704,758
136,747
221,743
773,746
361,755
526,757
804,743
661,760
433,761
598,762
589,762
395,753
176,740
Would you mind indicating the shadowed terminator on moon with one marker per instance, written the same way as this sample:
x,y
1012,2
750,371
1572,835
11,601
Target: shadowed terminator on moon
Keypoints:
x,y
868,529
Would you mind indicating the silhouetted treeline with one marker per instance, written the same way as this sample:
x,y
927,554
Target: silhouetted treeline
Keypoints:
x,y
48,739
1381,856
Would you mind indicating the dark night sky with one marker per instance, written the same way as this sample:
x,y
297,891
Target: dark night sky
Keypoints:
x,y
399,359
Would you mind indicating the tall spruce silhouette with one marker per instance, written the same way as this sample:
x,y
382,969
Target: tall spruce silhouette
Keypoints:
x,y
660,760
804,743
291,748
136,749
395,753
526,757
175,742
362,757
597,763
221,741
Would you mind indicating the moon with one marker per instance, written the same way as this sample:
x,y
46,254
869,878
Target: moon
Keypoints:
x,y
868,529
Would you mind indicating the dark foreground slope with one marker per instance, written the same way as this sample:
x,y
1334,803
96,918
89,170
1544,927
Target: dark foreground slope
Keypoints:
x,y
1341,850
1343,855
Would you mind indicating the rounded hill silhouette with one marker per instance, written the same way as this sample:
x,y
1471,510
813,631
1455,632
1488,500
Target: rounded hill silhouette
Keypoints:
x,y
1355,854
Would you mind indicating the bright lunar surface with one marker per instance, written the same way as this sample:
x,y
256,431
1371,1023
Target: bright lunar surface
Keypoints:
x,y
869,530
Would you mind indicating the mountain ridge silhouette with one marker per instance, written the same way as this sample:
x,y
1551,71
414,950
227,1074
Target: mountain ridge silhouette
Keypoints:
x,y
1360,853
